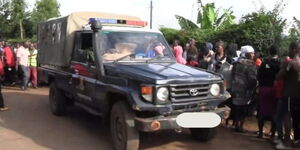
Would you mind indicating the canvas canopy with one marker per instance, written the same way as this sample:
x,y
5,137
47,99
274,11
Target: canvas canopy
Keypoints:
x,y
56,36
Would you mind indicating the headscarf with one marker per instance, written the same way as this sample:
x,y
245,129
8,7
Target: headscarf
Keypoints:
x,y
246,49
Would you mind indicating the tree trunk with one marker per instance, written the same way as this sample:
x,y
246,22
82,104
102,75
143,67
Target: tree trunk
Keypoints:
x,y
21,28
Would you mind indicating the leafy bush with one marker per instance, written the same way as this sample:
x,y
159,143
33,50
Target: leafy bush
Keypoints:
x,y
259,29
200,35
170,34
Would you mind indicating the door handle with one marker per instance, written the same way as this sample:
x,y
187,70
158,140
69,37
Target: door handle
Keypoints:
x,y
70,80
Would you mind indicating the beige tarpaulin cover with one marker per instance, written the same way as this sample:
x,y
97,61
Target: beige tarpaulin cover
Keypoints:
x,y
56,36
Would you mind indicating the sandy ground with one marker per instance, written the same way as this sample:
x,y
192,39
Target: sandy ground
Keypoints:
x,y
29,125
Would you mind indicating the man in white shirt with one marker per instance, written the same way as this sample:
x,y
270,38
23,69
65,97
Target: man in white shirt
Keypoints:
x,y
22,62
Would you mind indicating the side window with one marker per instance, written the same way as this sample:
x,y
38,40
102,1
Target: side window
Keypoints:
x,y
84,51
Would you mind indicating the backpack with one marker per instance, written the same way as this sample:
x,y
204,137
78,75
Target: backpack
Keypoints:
x,y
267,71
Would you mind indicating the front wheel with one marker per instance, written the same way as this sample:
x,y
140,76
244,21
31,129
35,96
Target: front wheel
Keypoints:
x,y
124,135
203,134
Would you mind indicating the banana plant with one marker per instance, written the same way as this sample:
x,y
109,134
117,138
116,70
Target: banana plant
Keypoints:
x,y
296,26
207,15
186,24
208,18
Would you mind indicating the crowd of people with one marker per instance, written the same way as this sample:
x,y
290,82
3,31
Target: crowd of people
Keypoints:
x,y
18,66
269,86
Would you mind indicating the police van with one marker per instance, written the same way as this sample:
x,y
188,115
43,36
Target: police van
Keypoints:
x,y
114,66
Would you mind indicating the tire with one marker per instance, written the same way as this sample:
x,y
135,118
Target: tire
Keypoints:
x,y
57,100
203,134
124,135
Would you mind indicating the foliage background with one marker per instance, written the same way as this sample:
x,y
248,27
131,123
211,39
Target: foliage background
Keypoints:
x,y
18,24
259,29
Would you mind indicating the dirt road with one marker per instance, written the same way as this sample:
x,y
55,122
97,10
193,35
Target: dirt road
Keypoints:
x,y
29,125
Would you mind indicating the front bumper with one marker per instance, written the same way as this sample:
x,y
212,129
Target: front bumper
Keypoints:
x,y
169,122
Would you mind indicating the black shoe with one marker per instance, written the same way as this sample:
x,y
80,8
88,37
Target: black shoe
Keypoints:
x,y
260,135
239,130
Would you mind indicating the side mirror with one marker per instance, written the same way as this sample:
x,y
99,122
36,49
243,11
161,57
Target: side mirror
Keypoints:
x,y
90,58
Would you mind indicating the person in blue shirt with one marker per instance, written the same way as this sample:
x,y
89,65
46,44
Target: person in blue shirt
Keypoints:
x,y
150,53
154,49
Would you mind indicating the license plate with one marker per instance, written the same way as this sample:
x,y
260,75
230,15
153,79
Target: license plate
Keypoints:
x,y
198,120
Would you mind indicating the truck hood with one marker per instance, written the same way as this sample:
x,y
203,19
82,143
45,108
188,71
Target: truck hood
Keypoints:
x,y
160,73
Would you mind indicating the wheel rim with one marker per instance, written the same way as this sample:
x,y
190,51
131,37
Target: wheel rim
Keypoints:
x,y
53,99
119,129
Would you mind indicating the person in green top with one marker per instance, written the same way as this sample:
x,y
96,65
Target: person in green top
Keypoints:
x,y
33,64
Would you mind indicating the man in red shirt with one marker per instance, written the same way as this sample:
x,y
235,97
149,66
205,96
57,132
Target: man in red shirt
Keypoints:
x,y
9,63
2,106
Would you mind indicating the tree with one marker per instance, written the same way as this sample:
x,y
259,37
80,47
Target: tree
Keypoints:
x,y
259,29
4,18
44,10
293,35
14,20
18,14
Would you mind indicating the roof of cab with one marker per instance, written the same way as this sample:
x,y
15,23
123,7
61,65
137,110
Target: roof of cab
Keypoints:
x,y
127,28
86,15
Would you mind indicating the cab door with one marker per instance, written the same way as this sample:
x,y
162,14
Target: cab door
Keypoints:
x,y
84,71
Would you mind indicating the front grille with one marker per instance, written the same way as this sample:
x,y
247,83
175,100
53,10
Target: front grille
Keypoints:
x,y
183,93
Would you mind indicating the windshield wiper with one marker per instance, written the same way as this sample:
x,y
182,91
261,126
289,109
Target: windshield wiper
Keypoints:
x,y
115,61
155,57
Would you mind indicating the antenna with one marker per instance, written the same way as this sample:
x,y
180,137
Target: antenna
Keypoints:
x,y
151,8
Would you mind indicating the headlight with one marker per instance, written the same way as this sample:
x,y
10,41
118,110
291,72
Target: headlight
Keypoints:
x,y
162,94
215,89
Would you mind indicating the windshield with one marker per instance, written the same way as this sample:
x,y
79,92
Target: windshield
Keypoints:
x,y
129,46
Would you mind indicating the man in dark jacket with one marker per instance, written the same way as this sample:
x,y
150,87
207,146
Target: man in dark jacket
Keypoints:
x,y
243,84
290,73
266,97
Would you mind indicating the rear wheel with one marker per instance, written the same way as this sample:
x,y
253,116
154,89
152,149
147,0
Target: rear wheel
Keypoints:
x,y
57,100
124,135
203,134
